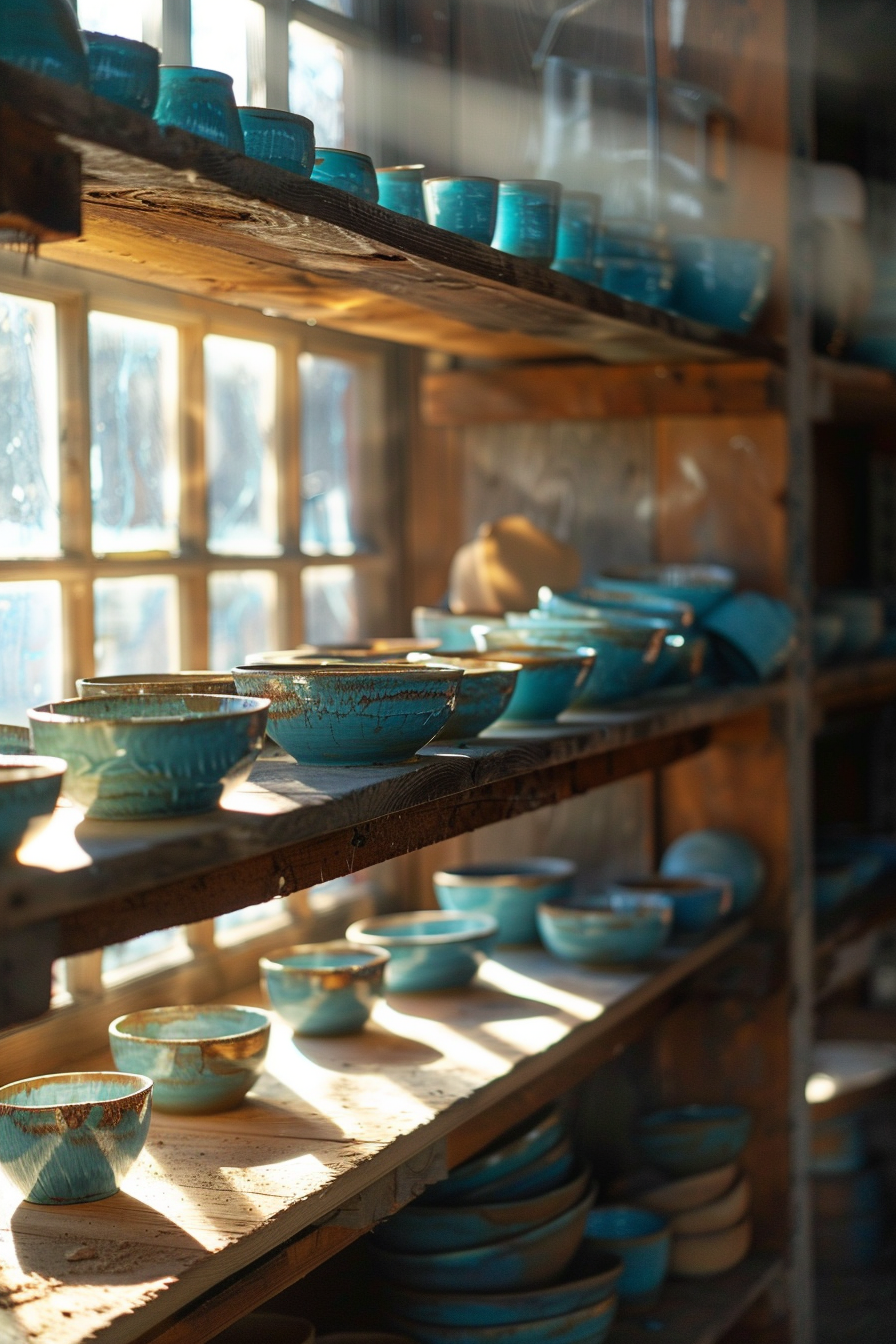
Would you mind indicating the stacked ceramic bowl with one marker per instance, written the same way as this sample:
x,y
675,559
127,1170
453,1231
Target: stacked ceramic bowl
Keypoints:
x,y
495,1251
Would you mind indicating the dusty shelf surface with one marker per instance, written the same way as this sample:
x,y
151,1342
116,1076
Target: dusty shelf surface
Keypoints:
x,y
701,1311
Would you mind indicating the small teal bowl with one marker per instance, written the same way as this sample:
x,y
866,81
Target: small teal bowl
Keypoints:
x,y
640,279
718,853
15,741
511,892
200,101
627,648
454,634
527,1143
353,713
642,1241
526,222
597,600
700,587
347,170
71,1138
464,205
578,220
483,695
754,634
43,36
606,930
201,1059
283,139
827,635
29,788
401,190
724,281
697,902
686,1140
587,1325
324,989
134,756
548,679
428,949
124,71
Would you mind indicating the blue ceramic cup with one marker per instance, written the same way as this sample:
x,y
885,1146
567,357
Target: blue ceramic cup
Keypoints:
x,y
401,190
577,223
464,205
283,139
200,101
526,224
642,1241
754,634
347,170
724,281
43,36
324,989
124,71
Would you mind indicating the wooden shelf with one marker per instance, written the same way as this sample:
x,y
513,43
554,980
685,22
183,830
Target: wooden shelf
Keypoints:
x,y
701,1311
844,391
844,937
857,685
337,1134
170,208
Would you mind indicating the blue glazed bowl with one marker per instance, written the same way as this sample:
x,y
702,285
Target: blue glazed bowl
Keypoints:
x,y
453,634
464,205
283,139
428,949
587,1325
401,190
724,281
43,36
627,646
684,660
124,71
526,222
637,278
157,683
347,170
718,853
605,930
353,713
525,1144
540,1174
578,220
324,989
483,695
754,634
686,1140
71,1138
599,599
641,1239
863,616
201,1059
200,101
133,756
14,741
697,902
29,788
700,587
827,635
511,892
548,679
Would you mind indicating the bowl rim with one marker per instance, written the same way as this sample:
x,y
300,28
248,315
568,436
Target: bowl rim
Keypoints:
x,y
459,177
375,957
356,669
651,903
582,1175
244,706
277,114
500,874
155,678
116,1031
346,153
692,1115
127,42
203,72
488,928
16,769
611,1273
143,1084
639,1238
735,1230
528,656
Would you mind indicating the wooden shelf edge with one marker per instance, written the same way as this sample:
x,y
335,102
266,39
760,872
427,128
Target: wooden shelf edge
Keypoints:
x,y
702,1311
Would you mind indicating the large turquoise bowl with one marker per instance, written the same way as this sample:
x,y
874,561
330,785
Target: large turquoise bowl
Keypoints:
x,y
753,633
718,853
347,170
324,989
428,949
686,1140
548,679
593,602
483,695
697,902
283,139
124,71
353,713
587,1325
201,1059
133,756
700,587
29,788
627,648
641,1240
606,930
71,1138
43,36
501,1161
452,633
200,101
511,892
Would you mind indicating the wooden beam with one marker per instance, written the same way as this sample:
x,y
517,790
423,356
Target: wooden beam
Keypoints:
x,y
40,183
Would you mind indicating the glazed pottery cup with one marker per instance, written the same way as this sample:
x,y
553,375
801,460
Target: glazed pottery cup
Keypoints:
x,y
639,279
401,190
641,1240
29,788
718,853
157,683
200,101
627,645
428,949
526,223
503,1160
511,892
464,205
283,139
348,171
686,1140
483,694
618,928
700,587
578,220
324,989
723,281
124,71
71,1138
201,1059
452,634
43,36
697,902
548,679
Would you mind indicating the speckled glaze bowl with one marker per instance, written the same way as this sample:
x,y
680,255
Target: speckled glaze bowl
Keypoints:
x,y
348,171
616,928
29,788
428,949
511,892
283,139
697,902
158,683
515,1151
43,36
353,713
200,101
483,695
71,1138
718,853
124,71
548,679
641,1240
324,989
133,756
686,1140
201,1059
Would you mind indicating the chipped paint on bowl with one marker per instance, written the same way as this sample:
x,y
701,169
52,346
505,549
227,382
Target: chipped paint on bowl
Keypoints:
x,y
29,788
428,949
511,892
324,989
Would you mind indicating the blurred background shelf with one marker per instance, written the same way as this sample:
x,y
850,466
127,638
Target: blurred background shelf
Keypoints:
x,y
845,936
871,682
701,1311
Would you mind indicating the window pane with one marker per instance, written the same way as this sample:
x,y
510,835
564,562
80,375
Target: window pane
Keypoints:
x,y
122,959
29,428
330,599
134,477
233,927
136,625
30,647
228,35
241,463
344,7
316,82
242,615
124,18
330,445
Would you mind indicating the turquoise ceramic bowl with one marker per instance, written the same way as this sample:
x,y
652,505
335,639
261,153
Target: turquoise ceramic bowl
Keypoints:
x,y
132,756
542,1173
453,634
71,1138
627,648
700,587
686,1140
724,281
863,616
200,101
283,139
158,683
124,71
201,1059
511,892
401,190
548,679
641,1240
526,222
353,713
347,170
605,930
14,741
361,651
324,989
464,205
754,634
578,220
483,695
587,1325
29,788
596,600
502,1161
827,635
697,902
43,36
639,279
428,949
718,853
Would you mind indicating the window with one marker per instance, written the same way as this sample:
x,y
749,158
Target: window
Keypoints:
x,y
317,82
129,19
29,429
229,35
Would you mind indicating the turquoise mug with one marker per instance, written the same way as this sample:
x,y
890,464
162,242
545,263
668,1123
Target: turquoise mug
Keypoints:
x,y
283,139
724,281
200,101
124,71
526,224
401,190
347,170
44,36
754,634
640,279
577,223
464,205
